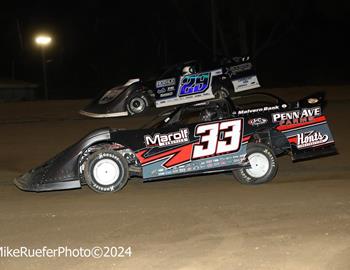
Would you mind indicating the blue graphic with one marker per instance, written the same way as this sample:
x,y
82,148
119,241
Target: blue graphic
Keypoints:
x,y
194,84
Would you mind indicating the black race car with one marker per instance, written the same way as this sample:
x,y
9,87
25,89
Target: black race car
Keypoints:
x,y
243,135
178,84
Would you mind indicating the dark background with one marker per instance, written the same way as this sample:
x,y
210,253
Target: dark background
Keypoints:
x,y
97,44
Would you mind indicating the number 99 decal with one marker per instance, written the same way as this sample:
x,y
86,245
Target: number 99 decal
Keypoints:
x,y
218,138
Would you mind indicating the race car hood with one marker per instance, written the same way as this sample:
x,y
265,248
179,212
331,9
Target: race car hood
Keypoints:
x,y
60,172
111,103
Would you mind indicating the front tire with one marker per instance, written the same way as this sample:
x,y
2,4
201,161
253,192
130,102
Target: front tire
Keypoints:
x,y
106,171
263,163
137,103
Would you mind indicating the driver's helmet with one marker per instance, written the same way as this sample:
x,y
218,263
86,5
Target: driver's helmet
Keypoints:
x,y
212,114
188,70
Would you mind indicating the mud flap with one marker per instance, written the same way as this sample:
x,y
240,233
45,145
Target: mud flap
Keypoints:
x,y
313,152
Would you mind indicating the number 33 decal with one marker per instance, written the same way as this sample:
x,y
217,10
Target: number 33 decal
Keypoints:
x,y
218,138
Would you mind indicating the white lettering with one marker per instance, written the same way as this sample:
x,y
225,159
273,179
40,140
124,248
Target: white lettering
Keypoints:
x,y
309,139
173,138
291,115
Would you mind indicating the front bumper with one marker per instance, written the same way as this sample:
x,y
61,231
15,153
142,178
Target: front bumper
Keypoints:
x,y
62,171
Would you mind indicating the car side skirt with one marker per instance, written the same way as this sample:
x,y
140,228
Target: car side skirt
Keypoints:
x,y
104,115
73,184
180,175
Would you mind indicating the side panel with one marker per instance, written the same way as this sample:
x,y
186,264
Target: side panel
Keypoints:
x,y
304,130
186,89
205,147
307,131
242,75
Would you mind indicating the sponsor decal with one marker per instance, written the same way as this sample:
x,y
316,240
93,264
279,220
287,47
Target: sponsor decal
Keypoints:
x,y
246,83
311,138
255,122
166,95
165,82
233,70
316,120
162,140
262,109
296,117
161,91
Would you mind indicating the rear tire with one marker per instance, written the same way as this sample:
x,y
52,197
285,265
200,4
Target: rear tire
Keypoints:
x,y
222,92
263,168
138,103
106,171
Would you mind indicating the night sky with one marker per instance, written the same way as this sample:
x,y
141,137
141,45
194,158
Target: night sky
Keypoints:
x,y
98,45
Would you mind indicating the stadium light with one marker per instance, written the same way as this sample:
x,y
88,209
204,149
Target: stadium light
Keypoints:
x,y
43,41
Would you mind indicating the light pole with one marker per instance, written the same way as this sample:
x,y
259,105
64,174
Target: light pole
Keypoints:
x,y
43,41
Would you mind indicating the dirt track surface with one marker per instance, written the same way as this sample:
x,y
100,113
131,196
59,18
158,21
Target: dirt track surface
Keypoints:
x,y
301,220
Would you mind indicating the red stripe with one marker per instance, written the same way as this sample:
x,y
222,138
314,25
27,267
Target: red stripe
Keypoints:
x,y
292,126
246,138
293,139
179,155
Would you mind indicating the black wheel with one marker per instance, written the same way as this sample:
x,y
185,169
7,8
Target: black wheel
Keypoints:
x,y
106,171
263,163
222,92
137,103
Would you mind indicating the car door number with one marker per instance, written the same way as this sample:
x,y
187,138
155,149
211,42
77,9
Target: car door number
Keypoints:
x,y
194,84
218,138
